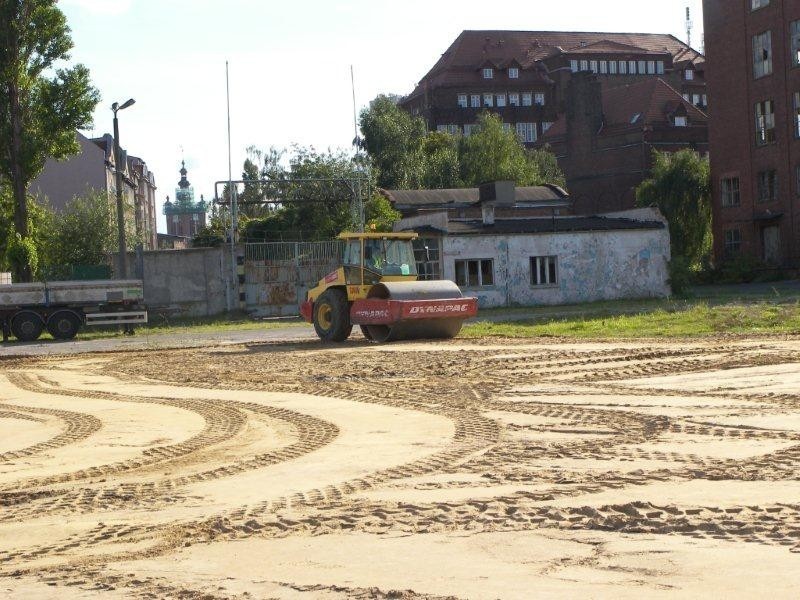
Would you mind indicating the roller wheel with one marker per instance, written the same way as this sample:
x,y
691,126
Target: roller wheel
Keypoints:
x,y
63,325
332,316
365,331
27,326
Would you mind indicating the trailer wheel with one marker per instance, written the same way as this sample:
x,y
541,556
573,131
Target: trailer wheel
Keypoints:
x,y
332,316
27,326
63,325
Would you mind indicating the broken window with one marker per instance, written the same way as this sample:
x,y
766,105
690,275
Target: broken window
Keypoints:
x,y
544,270
475,272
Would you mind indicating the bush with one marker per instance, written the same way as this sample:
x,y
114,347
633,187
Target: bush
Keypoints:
x,y
21,254
741,269
681,275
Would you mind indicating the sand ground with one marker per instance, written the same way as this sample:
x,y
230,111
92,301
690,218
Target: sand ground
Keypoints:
x,y
470,469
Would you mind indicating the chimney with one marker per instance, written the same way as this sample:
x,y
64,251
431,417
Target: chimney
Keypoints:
x,y
487,209
584,101
494,194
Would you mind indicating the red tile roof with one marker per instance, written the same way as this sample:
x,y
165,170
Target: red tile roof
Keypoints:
x,y
652,98
474,48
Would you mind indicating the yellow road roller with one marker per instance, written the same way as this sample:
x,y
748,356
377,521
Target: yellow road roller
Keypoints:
x,y
377,289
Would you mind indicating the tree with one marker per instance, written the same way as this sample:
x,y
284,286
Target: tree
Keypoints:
x,y
680,188
393,139
441,168
41,105
85,232
14,250
494,153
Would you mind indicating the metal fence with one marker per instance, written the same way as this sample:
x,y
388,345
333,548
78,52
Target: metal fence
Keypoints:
x,y
277,274
75,272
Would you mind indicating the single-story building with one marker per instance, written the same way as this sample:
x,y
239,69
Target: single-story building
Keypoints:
x,y
545,261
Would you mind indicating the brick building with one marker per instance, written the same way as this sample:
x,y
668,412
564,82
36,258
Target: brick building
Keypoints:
x,y
185,217
604,142
755,128
525,77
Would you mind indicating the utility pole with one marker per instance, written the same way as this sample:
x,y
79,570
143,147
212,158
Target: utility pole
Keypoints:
x,y
123,251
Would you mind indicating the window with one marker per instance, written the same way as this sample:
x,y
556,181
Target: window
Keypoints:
x,y
696,99
756,4
632,67
765,122
526,132
488,100
651,67
796,114
488,73
546,125
733,242
593,66
704,101
612,67
767,186
689,74
451,129
538,98
426,255
544,270
642,66
506,126
513,99
762,54
573,66
794,32
462,100
469,129
513,73
687,97
501,100
584,65
729,190
527,99
623,67
681,122
475,272
475,101
660,67
603,67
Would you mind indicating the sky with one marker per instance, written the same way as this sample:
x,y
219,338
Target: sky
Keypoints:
x,y
289,64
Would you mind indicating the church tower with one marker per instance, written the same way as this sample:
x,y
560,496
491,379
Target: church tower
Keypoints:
x,y
185,217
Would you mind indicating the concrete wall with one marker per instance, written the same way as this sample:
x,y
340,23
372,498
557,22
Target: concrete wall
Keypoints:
x,y
592,266
190,283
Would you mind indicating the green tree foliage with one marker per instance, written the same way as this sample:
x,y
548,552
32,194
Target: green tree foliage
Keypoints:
x,y
85,232
494,153
41,105
393,139
680,188
315,194
16,251
406,157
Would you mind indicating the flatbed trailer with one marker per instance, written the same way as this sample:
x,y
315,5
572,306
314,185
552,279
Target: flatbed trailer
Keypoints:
x,y
64,307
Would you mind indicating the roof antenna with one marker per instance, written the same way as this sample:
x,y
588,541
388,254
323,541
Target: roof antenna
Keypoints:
x,y
689,26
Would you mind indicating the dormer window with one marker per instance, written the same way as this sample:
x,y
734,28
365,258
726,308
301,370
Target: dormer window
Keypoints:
x,y
488,73
513,73
681,121
689,74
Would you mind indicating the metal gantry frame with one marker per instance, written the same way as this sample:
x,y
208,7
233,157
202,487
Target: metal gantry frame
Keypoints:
x,y
354,184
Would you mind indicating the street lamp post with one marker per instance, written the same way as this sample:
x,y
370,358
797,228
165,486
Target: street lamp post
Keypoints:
x,y
123,251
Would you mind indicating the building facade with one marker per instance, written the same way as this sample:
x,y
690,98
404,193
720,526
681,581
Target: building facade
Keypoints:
x,y
546,261
525,77
94,169
185,217
754,46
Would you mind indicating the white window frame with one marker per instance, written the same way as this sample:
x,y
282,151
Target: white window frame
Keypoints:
x,y
462,279
501,100
688,74
603,67
527,98
513,99
488,73
475,101
593,67
659,67
765,122
631,67
526,132
729,190
463,101
762,54
538,98
573,65
513,73
651,67
584,65
623,67
612,67
681,121
488,100
641,67
543,271
756,4
469,129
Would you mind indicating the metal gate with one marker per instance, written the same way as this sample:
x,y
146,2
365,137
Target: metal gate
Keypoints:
x,y
278,274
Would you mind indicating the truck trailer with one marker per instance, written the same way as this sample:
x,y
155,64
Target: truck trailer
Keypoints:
x,y
64,307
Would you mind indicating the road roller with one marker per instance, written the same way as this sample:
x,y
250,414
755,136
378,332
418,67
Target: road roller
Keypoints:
x,y
377,288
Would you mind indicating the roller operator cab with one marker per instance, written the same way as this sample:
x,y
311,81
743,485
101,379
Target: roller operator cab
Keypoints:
x,y
376,288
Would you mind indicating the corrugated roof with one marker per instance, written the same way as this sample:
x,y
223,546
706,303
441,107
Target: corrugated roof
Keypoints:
x,y
471,196
546,225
